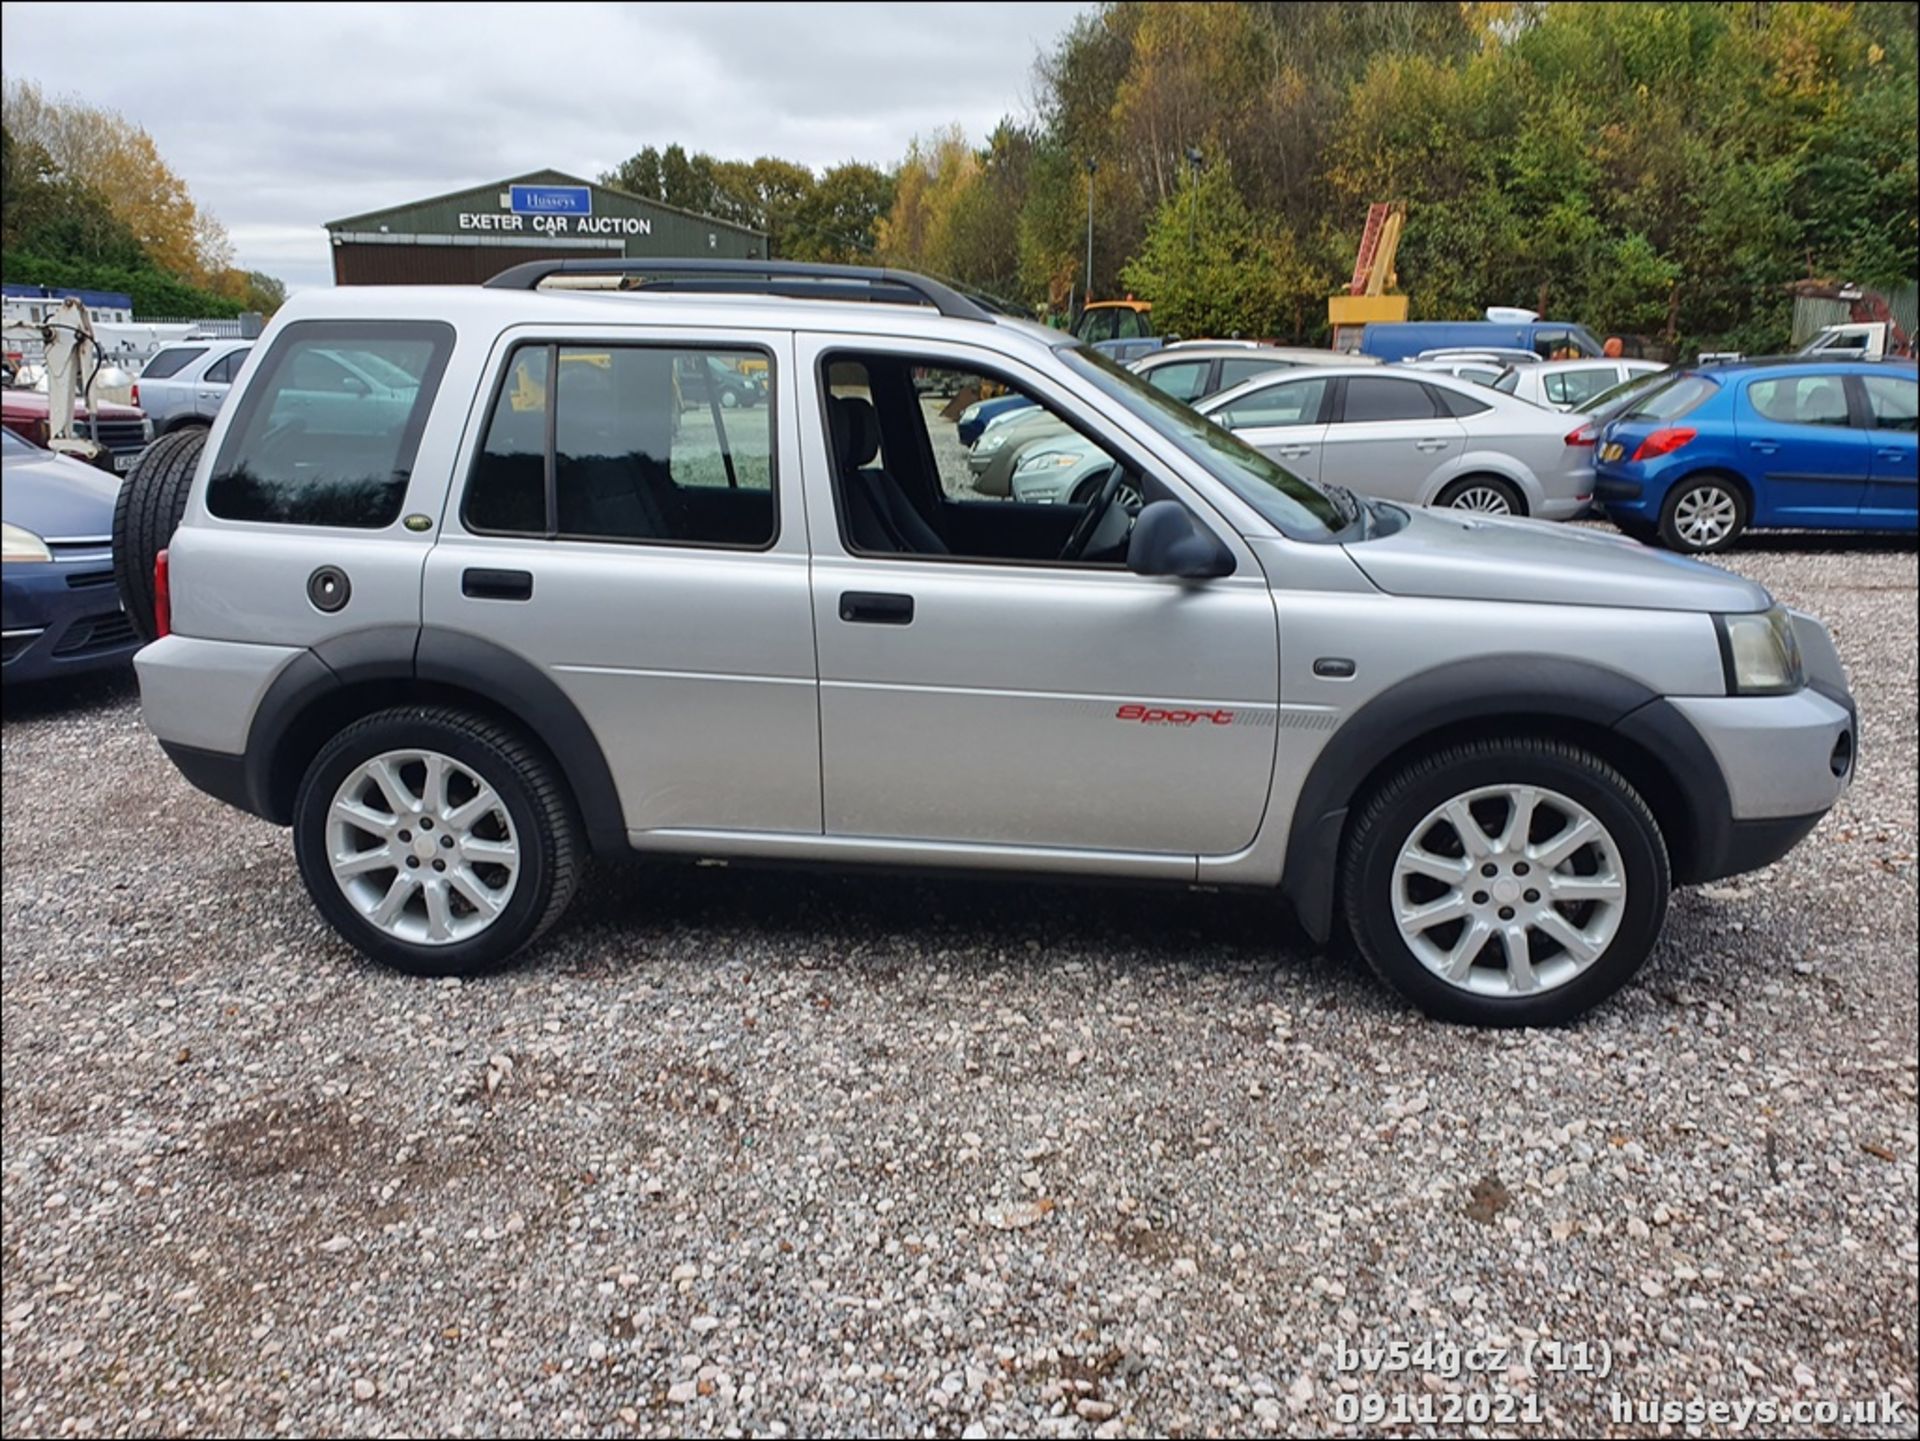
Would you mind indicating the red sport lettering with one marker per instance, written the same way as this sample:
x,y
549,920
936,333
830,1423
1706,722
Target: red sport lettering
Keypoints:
x,y
1157,716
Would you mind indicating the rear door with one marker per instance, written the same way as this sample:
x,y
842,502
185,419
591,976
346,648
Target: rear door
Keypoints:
x,y
1890,403
1286,420
216,380
1387,437
648,552
1797,434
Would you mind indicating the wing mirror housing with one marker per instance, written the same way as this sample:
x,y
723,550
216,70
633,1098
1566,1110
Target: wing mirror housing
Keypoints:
x,y
1168,540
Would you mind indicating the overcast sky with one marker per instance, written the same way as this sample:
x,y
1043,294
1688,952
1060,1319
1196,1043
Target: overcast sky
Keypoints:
x,y
282,117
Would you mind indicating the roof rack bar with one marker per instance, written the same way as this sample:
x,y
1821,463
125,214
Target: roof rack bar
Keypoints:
x,y
776,277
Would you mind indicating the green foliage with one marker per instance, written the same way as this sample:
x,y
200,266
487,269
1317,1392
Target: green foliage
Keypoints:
x,y
155,293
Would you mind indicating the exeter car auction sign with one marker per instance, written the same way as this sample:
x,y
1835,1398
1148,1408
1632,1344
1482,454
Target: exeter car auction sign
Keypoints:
x,y
554,210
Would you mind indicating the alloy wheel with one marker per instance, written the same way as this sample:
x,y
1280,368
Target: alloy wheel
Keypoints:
x,y
422,847
1486,499
1705,516
1509,890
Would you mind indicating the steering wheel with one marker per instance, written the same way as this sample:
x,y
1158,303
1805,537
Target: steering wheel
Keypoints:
x,y
1096,512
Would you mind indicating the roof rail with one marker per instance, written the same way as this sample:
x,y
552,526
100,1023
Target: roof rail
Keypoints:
x,y
758,277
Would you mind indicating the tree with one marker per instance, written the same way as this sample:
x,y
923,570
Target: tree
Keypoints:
x,y
838,219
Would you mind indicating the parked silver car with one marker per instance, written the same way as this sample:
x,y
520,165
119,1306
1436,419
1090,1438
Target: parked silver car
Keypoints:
x,y
1570,384
1414,435
1193,370
457,640
187,383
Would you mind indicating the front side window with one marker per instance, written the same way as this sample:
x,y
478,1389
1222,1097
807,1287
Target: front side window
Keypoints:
x,y
1097,325
1370,400
1183,380
1294,402
624,443
1801,399
171,361
327,432
1893,401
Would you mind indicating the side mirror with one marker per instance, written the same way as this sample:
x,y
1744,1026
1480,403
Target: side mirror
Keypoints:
x,y
1167,540
353,385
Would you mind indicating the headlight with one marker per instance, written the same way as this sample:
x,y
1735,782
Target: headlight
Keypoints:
x,y
22,545
1761,653
970,414
1046,460
989,443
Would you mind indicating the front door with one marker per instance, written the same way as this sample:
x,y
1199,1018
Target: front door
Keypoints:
x,y
1285,421
649,554
1893,477
1801,444
980,681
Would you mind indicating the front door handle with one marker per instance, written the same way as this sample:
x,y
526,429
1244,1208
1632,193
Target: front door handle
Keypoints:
x,y
1293,452
497,584
1429,445
872,607
1765,447
1893,455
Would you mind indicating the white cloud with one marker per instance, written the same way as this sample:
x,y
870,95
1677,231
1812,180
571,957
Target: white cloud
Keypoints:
x,y
282,117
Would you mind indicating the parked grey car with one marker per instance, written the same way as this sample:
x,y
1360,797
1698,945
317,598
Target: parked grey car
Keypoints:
x,y
186,384
1414,435
458,643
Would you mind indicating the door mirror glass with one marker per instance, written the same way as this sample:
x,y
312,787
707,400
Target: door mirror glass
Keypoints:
x,y
1168,540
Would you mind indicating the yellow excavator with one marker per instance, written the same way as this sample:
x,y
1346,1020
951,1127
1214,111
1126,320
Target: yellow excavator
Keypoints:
x,y
1365,300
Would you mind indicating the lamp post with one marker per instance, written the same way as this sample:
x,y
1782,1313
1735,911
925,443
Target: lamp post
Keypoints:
x,y
1086,280
1194,162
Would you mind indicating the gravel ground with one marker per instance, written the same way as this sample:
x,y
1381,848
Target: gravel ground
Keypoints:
x,y
778,1154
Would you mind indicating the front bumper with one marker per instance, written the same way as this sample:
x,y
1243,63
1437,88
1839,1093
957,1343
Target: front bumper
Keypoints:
x,y
63,617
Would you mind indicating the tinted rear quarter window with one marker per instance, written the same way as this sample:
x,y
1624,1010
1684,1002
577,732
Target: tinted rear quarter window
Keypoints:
x,y
1454,403
171,361
327,432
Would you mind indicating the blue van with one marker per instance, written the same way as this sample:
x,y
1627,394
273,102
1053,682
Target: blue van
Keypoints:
x,y
1404,339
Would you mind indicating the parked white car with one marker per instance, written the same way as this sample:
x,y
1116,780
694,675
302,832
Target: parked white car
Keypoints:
x,y
1414,435
186,384
1570,384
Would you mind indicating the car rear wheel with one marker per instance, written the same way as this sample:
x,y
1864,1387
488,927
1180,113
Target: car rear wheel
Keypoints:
x,y
1506,883
1487,494
435,841
1703,514
146,513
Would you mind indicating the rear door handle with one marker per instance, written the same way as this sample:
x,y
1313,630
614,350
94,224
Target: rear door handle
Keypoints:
x,y
1429,445
497,584
1893,455
1293,452
872,607
1765,447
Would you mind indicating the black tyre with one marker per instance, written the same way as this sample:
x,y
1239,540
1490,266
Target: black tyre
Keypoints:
x,y
1487,494
1644,531
435,841
1703,514
145,515
1478,922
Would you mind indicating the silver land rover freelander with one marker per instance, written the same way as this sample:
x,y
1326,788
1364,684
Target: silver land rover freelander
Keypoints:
x,y
532,595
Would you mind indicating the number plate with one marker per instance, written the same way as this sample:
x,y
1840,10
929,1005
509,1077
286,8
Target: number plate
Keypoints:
x,y
1612,450
126,459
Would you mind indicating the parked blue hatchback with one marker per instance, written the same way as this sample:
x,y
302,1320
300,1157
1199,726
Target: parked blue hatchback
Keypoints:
x,y
59,607
1827,445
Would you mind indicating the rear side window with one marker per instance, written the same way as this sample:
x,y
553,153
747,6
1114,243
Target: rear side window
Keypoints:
x,y
327,432
1572,387
222,371
1369,399
1800,399
171,361
1232,372
633,443
1672,400
1508,381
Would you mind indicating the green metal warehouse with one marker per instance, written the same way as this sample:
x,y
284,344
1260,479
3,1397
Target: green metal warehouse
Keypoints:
x,y
471,235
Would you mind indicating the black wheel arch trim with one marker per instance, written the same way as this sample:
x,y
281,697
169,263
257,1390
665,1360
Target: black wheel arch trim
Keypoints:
x,y
439,657
1527,688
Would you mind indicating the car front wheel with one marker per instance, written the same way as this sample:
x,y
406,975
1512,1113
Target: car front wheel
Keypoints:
x,y
435,841
1506,883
